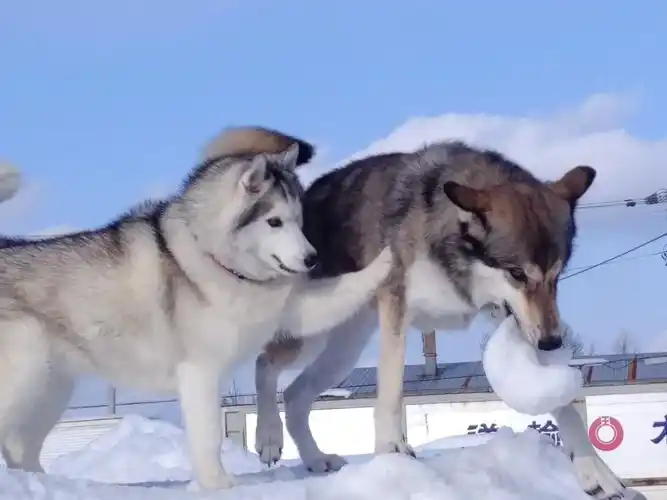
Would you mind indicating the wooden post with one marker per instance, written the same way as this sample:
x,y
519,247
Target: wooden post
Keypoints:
x,y
111,403
632,370
430,354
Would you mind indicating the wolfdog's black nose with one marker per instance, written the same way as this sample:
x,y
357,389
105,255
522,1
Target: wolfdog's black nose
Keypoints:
x,y
550,344
310,260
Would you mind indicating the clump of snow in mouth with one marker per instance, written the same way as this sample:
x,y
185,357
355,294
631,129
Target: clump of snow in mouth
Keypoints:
x,y
528,380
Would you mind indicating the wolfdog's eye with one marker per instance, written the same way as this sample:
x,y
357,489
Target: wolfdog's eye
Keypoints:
x,y
274,222
518,274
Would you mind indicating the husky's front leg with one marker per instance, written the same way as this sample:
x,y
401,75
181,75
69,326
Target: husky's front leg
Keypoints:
x,y
322,304
594,476
389,435
198,389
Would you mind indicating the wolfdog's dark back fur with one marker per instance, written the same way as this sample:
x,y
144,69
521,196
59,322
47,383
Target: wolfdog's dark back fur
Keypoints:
x,y
351,212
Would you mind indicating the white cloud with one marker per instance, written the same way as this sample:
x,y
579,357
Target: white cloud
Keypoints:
x,y
16,210
10,181
591,133
321,162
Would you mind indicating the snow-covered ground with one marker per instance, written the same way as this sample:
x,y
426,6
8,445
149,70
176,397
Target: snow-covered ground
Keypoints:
x,y
144,459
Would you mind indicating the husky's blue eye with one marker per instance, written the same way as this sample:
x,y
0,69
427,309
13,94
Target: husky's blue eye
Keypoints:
x,y
274,222
518,274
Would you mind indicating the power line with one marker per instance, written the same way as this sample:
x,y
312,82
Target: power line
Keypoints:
x,y
615,257
658,197
629,203
621,260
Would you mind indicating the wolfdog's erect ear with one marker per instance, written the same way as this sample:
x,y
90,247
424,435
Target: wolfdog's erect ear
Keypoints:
x,y
467,198
255,177
574,183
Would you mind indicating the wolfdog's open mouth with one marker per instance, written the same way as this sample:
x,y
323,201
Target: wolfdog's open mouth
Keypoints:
x,y
283,266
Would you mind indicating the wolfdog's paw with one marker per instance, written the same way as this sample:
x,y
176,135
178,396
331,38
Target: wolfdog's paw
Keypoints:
x,y
319,464
269,439
397,446
598,481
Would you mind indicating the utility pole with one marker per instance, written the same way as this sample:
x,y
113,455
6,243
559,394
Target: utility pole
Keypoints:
x,y
430,353
655,198
111,399
660,196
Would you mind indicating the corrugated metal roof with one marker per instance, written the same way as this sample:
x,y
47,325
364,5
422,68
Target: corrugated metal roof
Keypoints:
x,y
468,377
453,378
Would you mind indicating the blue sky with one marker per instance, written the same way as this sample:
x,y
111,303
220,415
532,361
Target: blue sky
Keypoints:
x,y
104,103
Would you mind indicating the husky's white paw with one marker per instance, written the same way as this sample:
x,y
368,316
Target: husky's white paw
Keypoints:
x,y
213,482
324,463
269,439
598,481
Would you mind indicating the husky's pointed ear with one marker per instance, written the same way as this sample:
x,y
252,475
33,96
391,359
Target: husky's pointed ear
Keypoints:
x,y
574,183
256,176
289,158
467,198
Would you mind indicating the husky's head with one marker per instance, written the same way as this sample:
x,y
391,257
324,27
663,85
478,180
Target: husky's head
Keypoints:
x,y
244,211
519,237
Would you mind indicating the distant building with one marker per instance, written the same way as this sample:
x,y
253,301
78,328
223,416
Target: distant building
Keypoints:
x,y
624,406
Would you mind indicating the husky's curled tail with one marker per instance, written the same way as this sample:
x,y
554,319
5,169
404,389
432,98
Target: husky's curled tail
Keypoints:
x,y
256,140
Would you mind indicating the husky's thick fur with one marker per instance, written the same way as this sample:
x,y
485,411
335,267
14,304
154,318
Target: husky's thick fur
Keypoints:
x,y
472,231
169,296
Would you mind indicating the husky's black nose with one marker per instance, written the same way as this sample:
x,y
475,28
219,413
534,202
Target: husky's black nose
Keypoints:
x,y
310,260
550,344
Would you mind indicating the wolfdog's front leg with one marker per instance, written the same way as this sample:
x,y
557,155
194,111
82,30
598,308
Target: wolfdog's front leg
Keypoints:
x,y
594,476
389,435
322,304
199,397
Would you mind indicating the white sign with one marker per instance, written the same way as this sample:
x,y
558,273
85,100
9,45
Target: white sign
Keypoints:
x,y
344,431
429,422
629,432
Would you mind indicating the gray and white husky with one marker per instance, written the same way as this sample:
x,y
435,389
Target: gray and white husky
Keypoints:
x,y
472,231
168,296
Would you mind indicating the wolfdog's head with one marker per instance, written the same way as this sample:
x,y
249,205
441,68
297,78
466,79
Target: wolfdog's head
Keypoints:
x,y
244,203
519,237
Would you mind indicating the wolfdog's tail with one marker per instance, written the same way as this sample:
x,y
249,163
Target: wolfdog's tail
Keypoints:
x,y
255,140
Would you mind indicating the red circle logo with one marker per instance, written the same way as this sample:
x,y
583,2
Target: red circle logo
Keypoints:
x,y
606,433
